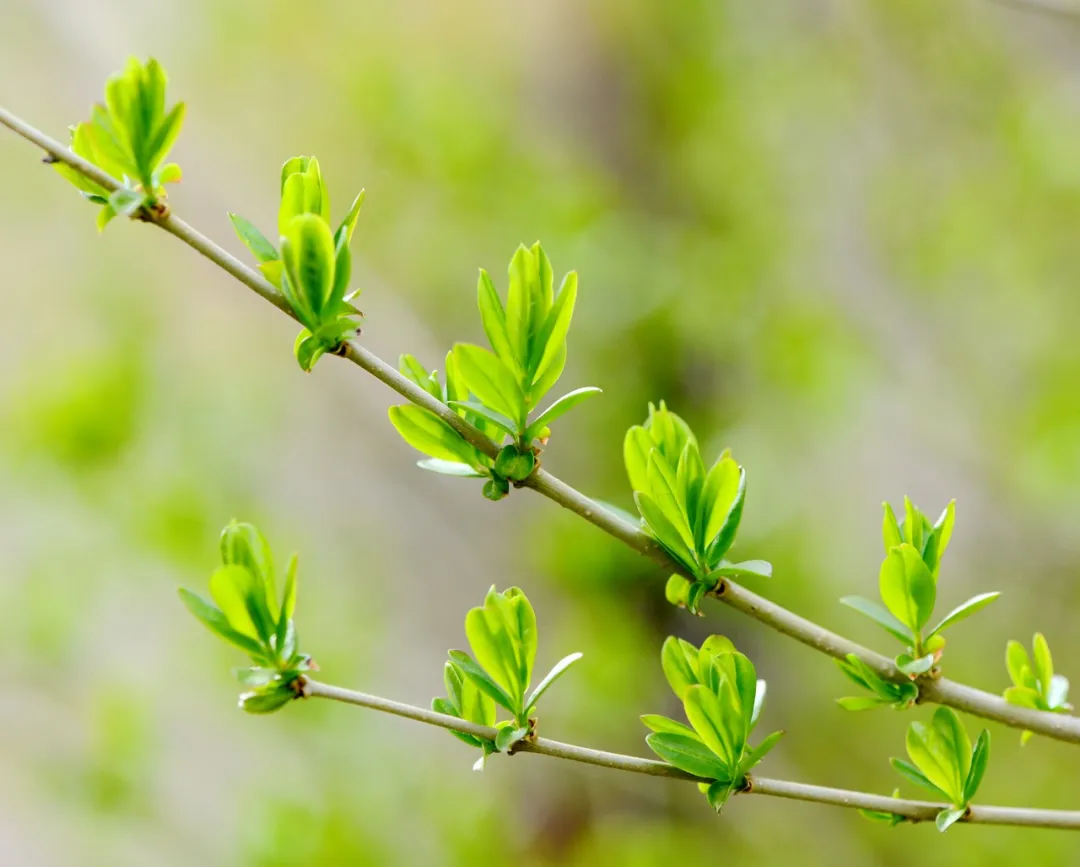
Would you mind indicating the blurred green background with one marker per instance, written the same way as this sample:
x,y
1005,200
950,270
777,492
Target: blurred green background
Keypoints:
x,y
839,237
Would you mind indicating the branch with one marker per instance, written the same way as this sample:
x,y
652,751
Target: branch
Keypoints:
x,y
912,811
940,691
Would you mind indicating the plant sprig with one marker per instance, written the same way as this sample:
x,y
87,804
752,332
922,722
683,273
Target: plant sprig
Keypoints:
x,y
503,638
908,585
1035,685
722,698
129,136
245,611
692,513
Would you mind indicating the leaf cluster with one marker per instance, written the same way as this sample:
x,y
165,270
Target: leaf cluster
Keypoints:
x,y
1035,685
129,137
693,513
944,762
722,698
502,636
244,609
498,389
312,265
908,586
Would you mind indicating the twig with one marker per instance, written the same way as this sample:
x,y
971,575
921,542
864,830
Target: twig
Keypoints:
x,y
940,691
913,811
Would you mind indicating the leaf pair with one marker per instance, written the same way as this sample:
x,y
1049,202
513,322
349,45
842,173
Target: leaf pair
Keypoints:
x,y
944,762
722,698
694,514
129,137
314,264
246,612
1035,685
908,586
528,343
502,636
884,693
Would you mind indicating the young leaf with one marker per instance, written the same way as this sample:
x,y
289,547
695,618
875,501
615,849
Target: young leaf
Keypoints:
x,y
662,724
914,775
1019,664
758,753
429,434
963,611
890,529
980,756
880,616
253,239
662,529
1044,663
482,680
746,569
560,407
480,410
907,588
856,703
679,660
307,249
714,723
687,754
947,818
935,759
490,380
551,340
449,468
214,620
556,672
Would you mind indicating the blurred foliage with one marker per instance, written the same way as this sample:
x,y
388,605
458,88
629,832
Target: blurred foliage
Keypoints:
x,y
838,238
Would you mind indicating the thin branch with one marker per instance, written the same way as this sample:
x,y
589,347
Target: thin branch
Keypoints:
x,y
913,811
940,691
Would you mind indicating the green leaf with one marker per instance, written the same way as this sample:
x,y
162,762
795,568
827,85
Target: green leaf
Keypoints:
x,y
932,750
165,135
912,666
493,317
266,702
556,672
482,411
964,610
746,569
494,650
449,468
907,588
523,273
663,530
718,795
1018,663
955,737
664,491
490,380
939,538
715,724
508,736
560,407
307,249
441,705
980,756
662,724
241,544
687,754
428,433
288,601
947,818
914,775
1022,696
551,340
857,703
216,621
254,677
1044,663
719,497
880,616
758,753
679,660
890,529
636,448
253,239
236,592
482,680
913,526
349,223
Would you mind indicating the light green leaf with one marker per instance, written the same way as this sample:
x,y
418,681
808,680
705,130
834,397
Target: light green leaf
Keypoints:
x,y
913,525
664,491
288,600
490,380
980,756
253,239
1044,663
880,616
758,753
1019,665
687,754
560,407
216,621
636,448
890,529
718,497
349,223
551,339
556,672
964,610
238,594
429,434
679,660
482,680
715,724
307,249
493,317
126,202
662,724
746,569
857,703
907,588
663,530
494,650
914,775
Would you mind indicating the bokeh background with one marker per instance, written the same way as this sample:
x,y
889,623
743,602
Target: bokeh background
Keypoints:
x,y
840,237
